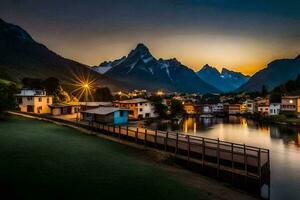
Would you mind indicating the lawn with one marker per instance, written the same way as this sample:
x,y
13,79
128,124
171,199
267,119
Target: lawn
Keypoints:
x,y
41,160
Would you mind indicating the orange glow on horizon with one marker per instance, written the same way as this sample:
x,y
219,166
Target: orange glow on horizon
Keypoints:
x,y
246,55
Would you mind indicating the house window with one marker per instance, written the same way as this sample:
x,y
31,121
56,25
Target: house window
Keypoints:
x,y
121,113
141,104
141,109
40,99
30,109
48,100
29,98
40,109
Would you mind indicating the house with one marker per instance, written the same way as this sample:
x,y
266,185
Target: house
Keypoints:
x,y
139,108
166,102
191,108
274,109
261,100
91,105
34,101
111,115
243,108
232,109
206,109
290,104
65,108
218,108
263,109
251,106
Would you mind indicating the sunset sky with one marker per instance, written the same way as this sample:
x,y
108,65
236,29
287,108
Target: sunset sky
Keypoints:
x,y
237,34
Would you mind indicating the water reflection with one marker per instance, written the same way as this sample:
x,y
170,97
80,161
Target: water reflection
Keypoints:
x,y
283,142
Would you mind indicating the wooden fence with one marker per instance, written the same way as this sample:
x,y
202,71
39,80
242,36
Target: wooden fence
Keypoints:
x,y
240,159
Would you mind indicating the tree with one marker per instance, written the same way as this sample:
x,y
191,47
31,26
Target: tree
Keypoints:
x,y
160,109
176,108
7,98
61,96
264,91
51,85
275,97
103,94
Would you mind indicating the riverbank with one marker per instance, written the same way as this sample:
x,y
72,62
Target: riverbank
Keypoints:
x,y
42,159
281,120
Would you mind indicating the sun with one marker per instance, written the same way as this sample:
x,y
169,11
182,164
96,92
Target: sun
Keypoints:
x,y
84,84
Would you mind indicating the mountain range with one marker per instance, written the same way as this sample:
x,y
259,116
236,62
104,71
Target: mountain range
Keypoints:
x,y
226,80
146,72
276,73
21,56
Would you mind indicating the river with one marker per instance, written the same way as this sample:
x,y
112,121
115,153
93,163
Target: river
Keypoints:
x,y
284,145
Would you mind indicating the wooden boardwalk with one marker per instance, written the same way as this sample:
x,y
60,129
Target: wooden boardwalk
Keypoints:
x,y
247,161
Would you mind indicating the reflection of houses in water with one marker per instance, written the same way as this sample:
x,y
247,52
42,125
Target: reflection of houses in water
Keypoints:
x,y
298,139
243,122
264,129
274,132
190,125
233,119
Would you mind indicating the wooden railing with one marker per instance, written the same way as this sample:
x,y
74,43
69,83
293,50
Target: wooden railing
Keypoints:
x,y
241,159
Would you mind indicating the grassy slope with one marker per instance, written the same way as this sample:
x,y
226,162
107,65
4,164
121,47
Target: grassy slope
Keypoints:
x,y
42,160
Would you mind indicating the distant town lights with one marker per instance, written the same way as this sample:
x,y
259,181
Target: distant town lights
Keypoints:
x,y
160,93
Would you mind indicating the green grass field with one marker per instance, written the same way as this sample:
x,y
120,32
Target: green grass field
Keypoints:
x,y
41,160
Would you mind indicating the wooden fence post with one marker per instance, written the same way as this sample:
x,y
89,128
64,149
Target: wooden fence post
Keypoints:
x,y
203,151
136,135
218,157
176,148
232,162
189,147
145,142
155,139
120,132
246,165
166,140
245,160
259,166
127,132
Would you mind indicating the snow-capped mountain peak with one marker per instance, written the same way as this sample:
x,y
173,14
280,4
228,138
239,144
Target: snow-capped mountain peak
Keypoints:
x,y
226,80
148,72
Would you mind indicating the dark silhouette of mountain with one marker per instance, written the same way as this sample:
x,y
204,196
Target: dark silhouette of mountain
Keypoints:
x,y
226,81
276,73
146,72
21,56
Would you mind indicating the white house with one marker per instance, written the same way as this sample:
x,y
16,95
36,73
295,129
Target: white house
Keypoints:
x,y
274,109
138,108
218,108
250,106
34,101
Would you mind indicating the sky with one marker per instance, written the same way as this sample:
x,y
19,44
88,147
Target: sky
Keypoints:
x,y
241,35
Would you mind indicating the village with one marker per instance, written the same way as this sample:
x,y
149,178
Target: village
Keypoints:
x,y
140,105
